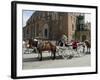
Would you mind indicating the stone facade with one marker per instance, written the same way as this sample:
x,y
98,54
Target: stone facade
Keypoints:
x,y
52,25
83,35
83,31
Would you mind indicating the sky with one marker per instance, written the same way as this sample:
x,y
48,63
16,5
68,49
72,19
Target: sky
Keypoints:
x,y
27,14
87,18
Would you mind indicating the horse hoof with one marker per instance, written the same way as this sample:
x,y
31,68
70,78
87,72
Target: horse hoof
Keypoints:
x,y
40,59
53,58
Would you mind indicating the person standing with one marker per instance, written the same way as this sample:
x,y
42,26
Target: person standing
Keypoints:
x,y
64,39
74,45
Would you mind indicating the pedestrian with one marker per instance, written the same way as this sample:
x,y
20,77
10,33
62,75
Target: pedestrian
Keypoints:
x,y
64,40
74,45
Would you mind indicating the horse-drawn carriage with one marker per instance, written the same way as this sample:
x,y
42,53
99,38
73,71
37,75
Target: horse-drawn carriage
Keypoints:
x,y
38,46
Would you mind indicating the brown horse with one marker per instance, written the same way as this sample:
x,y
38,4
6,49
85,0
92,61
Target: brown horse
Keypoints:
x,y
46,46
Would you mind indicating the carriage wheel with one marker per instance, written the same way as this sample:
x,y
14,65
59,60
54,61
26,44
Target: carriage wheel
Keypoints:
x,y
80,51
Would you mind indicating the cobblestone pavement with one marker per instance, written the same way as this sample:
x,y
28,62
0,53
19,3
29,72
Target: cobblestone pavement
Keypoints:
x,y
64,58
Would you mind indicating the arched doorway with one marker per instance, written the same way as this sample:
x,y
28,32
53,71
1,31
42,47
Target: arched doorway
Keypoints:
x,y
83,38
45,31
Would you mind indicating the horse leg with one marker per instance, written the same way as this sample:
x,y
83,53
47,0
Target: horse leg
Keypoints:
x,y
40,56
28,51
51,54
83,49
54,55
89,50
86,50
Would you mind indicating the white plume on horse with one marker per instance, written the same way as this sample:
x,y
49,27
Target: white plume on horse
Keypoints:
x,y
35,40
